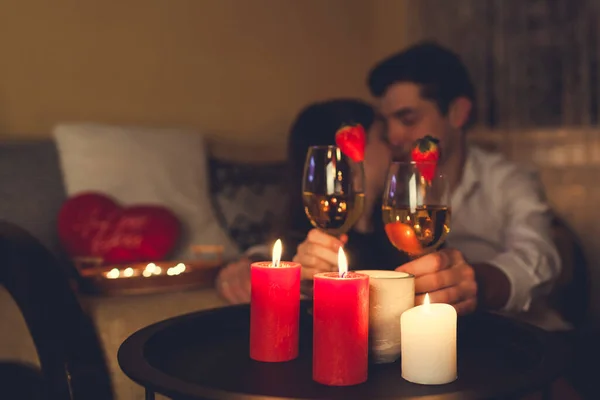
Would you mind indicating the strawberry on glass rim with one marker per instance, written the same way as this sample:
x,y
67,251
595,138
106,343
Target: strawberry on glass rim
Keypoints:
x,y
352,140
426,154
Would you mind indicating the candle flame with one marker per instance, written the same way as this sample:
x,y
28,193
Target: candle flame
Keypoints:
x,y
180,268
176,270
151,269
426,301
113,273
277,249
342,263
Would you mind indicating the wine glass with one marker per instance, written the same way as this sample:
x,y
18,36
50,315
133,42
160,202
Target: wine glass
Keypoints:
x,y
332,189
416,208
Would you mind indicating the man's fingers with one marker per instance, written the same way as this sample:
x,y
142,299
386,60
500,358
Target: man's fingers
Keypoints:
x,y
466,306
433,262
436,281
427,264
457,274
451,295
469,288
446,277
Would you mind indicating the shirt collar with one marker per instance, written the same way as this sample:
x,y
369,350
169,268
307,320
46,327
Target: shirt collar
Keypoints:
x,y
472,170
469,181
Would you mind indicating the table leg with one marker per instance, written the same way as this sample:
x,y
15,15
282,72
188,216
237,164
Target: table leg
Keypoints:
x,y
149,394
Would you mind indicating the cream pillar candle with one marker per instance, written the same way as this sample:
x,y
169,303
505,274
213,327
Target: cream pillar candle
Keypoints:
x,y
428,340
390,294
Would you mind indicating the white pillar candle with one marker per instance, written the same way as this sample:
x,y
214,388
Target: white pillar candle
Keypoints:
x,y
428,340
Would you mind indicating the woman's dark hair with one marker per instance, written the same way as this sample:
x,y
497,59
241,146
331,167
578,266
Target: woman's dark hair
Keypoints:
x,y
315,125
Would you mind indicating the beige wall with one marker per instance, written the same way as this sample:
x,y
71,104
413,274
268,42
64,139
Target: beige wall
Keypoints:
x,y
389,29
240,69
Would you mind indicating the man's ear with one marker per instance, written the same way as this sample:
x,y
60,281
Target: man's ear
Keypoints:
x,y
459,112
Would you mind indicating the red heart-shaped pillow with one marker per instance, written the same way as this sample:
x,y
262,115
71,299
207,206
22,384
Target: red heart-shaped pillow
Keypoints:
x,y
93,225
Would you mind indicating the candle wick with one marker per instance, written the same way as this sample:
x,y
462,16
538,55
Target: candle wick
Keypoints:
x,y
343,274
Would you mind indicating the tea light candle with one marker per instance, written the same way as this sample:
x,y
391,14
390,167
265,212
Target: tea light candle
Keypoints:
x,y
428,342
274,309
340,326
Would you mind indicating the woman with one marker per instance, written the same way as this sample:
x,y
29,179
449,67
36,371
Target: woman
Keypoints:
x,y
315,125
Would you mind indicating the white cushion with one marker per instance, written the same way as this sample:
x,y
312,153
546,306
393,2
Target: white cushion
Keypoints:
x,y
137,165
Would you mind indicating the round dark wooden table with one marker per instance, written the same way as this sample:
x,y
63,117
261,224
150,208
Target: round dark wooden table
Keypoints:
x,y
205,356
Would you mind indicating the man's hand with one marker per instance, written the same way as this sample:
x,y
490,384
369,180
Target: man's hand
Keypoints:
x,y
447,277
233,282
318,253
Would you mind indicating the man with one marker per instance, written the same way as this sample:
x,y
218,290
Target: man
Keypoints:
x,y
499,254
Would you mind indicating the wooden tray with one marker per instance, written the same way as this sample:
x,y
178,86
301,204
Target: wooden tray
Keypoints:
x,y
144,278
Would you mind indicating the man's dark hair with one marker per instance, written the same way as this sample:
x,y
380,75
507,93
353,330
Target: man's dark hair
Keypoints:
x,y
439,72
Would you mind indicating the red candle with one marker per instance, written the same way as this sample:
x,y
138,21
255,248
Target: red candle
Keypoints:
x,y
341,326
274,309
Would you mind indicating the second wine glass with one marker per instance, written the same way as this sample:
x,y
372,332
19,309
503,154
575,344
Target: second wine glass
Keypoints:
x,y
415,208
332,189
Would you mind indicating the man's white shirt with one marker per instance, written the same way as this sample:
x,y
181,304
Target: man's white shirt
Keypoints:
x,y
500,216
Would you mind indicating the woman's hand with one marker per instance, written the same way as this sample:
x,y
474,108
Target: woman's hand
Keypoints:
x,y
233,282
318,253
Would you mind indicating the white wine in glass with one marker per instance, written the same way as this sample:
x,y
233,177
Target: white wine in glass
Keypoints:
x,y
416,212
332,190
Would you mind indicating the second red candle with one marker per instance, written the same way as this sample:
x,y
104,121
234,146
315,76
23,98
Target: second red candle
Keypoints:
x,y
341,328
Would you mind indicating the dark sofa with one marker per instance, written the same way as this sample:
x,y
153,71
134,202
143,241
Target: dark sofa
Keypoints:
x,y
31,188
